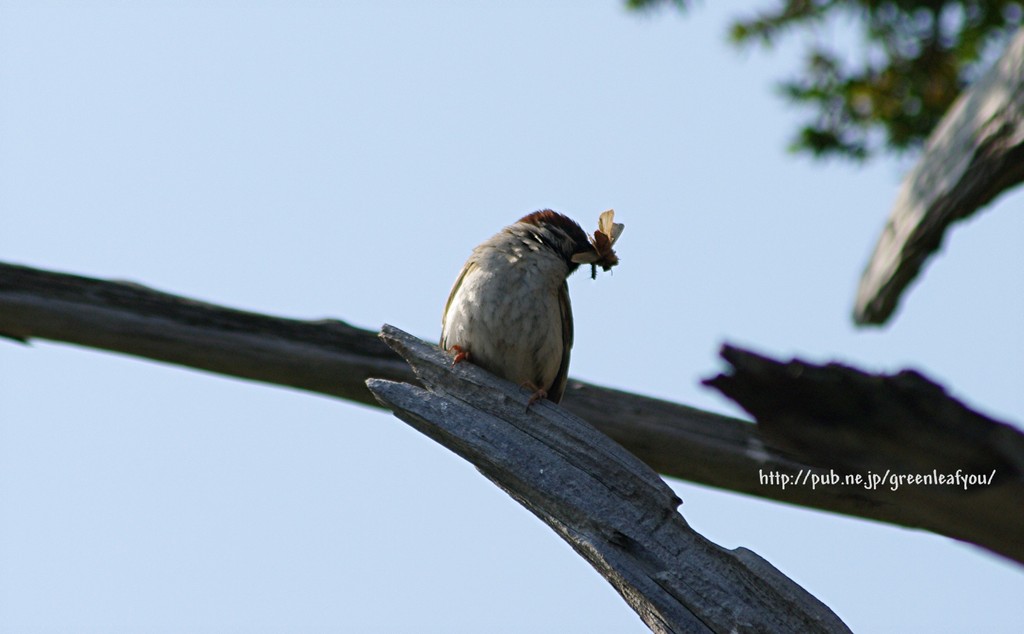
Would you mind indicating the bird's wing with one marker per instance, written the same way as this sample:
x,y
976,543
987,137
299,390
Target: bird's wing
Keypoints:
x,y
466,270
558,387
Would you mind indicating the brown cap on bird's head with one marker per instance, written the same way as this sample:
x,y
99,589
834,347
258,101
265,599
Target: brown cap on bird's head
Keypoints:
x,y
564,223
603,240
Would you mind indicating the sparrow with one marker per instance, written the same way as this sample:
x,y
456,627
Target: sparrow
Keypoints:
x,y
509,309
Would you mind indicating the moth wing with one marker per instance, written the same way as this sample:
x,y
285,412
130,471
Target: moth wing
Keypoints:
x,y
606,224
616,231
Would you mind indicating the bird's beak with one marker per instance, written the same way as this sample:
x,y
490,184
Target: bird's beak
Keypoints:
x,y
585,257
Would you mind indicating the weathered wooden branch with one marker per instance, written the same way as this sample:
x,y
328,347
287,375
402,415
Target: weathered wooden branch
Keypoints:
x,y
330,357
607,504
894,426
974,154
326,356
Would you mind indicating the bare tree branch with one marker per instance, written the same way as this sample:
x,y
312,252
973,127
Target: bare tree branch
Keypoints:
x,y
974,154
330,357
608,505
327,356
892,427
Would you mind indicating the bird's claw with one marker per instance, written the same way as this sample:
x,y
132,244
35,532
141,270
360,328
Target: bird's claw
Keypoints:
x,y
461,354
538,394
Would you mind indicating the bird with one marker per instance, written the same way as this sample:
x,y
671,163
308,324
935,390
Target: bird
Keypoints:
x,y
509,311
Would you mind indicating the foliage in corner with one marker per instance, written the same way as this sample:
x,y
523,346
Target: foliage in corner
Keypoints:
x,y
915,58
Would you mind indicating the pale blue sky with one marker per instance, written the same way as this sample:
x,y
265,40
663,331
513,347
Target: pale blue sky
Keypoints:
x,y
341,160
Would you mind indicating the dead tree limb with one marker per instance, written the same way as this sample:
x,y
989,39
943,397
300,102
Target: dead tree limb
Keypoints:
x,y
333,358
607,504
974,154
326,356
892,427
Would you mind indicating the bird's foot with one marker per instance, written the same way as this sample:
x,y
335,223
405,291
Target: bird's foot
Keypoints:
x,y
461,354
538,394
